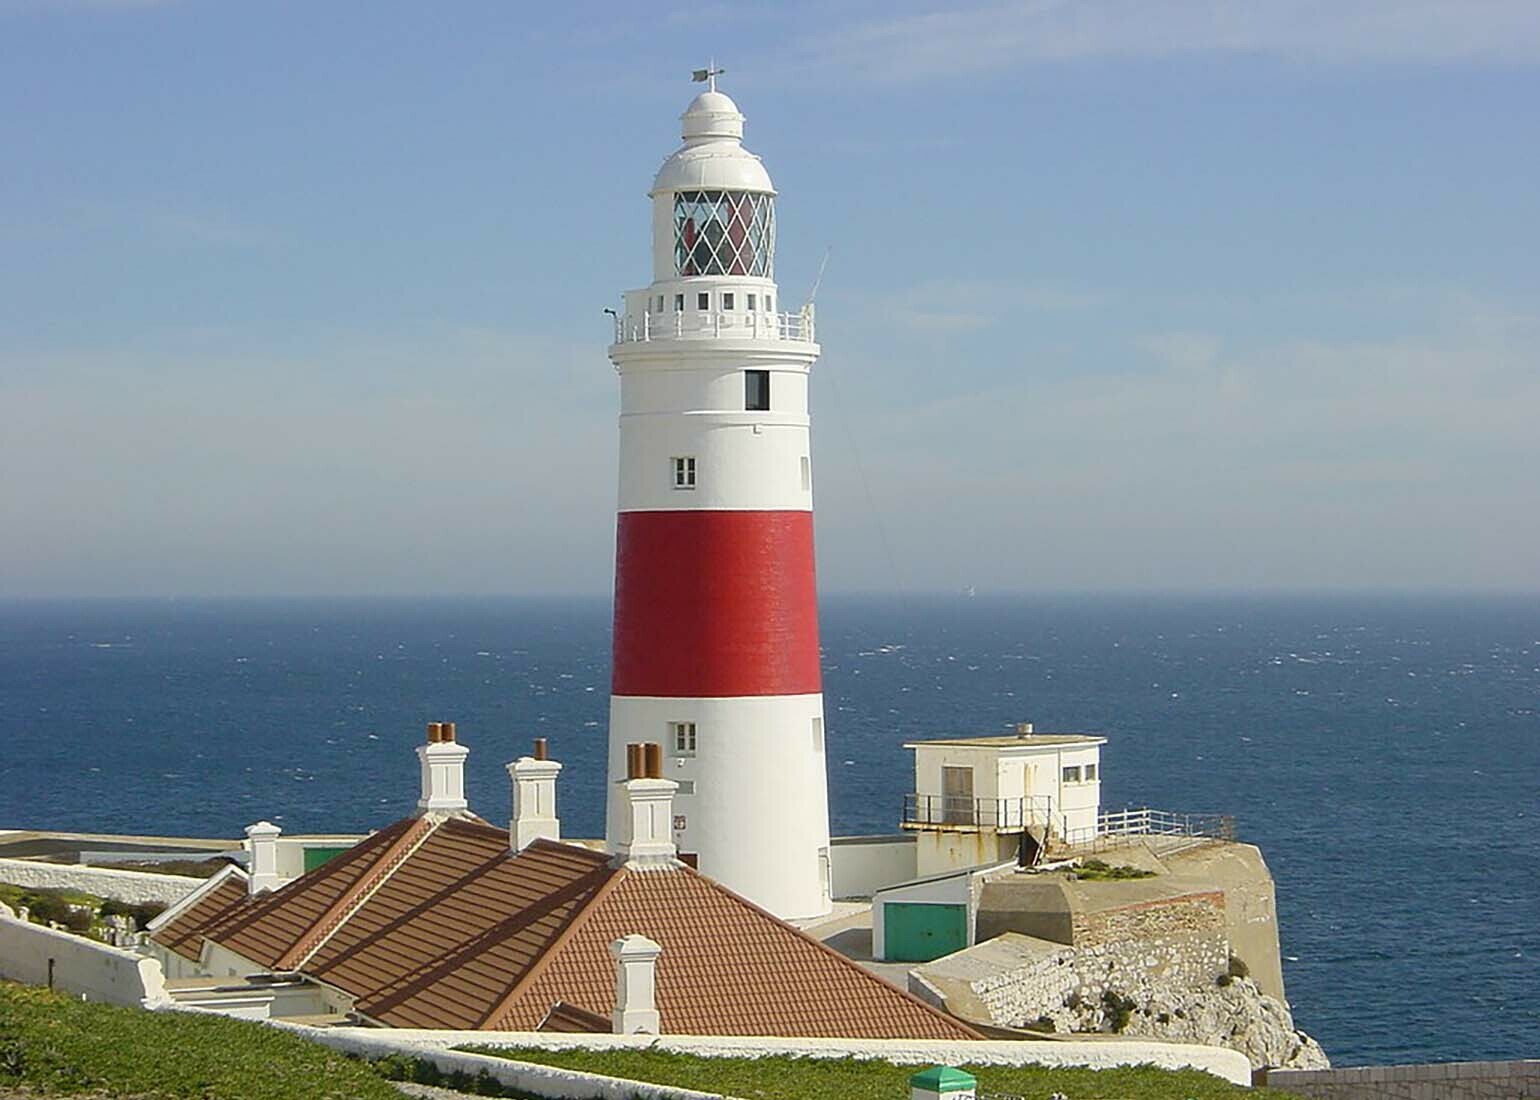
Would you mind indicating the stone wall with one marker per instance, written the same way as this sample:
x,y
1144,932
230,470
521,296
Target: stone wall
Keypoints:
x,y
34,955
1189,914
1023,995
134,887
1446,1081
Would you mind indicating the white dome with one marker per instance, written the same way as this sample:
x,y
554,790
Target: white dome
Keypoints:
x,y
713,156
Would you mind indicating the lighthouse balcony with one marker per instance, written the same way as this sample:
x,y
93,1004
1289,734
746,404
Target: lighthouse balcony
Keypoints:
x,y
634,328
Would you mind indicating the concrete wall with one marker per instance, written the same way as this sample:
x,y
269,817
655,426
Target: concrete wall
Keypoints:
x,y
861,865
1228,1064
938,851
1251,918
1446,1081
134,887
83,966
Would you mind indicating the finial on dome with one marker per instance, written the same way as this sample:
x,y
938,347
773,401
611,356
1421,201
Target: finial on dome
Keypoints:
x,y
709,75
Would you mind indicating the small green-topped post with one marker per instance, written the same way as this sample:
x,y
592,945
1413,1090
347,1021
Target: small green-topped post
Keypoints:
x,y
942,1083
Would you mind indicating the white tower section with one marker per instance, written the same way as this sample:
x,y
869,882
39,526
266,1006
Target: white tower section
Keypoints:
x,y
716,629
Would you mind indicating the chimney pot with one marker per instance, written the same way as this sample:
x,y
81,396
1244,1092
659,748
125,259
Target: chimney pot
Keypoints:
x,y
653,760
435,732
542,750
448,731
635,769
1023,729
443,771
534,799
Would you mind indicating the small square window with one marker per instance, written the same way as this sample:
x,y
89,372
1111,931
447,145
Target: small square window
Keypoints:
x,y
818,735
751,303
686,786
727,300
1090,773
1072,774
703,301
678,303
807,475
659,307
756,390
769,303
684,471
682,737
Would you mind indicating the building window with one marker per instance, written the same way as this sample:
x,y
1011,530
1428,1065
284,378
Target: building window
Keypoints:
x,y
727,300
678,303
686,786
703,301
724,233
818,735
769,304
1090,773
1072,774
807,475
682,736
756,390
684,471
659,308
751,303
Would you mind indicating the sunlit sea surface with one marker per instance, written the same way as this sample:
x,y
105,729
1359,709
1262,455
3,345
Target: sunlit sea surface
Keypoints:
x,y
1383,752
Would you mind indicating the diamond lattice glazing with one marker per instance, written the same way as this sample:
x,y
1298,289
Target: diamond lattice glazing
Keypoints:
x,y
724,233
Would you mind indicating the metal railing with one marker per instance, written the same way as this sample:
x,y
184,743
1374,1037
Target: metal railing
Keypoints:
x,y
953,811
1113,826
640,329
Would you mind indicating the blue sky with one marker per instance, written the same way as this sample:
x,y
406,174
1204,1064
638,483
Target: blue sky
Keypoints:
x,y
306,298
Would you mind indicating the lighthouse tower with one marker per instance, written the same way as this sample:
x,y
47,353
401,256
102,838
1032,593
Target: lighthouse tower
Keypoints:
x,y
716,620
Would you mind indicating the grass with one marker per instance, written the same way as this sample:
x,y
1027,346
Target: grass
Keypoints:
x,y
785,1078
57,1045
1096,870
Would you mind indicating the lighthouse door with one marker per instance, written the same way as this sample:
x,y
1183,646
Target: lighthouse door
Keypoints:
x,y
957,796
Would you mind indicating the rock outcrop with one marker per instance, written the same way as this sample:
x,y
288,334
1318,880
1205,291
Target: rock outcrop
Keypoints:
x,y
1236,1014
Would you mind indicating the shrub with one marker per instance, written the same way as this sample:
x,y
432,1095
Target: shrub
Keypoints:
x,y
1238,967
143,913
1119,1009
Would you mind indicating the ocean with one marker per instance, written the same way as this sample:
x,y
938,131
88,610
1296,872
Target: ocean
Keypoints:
x,y
1382,751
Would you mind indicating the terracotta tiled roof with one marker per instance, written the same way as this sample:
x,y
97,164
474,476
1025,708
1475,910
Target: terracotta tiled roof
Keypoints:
x,y
573,1020
727,968
450,933
183,934
435,923
272,924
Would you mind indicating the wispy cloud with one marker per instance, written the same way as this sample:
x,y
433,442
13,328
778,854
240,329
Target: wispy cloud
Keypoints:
x,y
950,40
960,305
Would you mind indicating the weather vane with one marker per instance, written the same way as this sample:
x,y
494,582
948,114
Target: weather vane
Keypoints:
x,y
709,74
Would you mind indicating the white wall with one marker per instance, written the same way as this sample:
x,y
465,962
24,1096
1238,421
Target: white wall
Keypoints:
x,y
962,888
861,865
134,887
1231,1065
84,966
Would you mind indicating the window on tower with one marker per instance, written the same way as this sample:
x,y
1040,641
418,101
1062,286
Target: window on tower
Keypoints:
x,y
756,390
727,300
682,737
684,471
703,301
678,303
724,233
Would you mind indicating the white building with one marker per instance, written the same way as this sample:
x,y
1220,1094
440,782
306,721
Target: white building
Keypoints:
x,y
974,796
716,621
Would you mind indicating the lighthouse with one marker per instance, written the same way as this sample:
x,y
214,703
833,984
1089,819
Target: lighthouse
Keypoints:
x,y
716,621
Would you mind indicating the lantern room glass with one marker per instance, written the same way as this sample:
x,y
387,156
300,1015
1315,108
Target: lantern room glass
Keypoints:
x,y
724,233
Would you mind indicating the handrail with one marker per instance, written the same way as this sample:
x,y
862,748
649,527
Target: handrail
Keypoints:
x,y
987,813
643,328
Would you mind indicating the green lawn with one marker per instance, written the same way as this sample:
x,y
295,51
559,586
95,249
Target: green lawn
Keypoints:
x,y
55,1044
800,1078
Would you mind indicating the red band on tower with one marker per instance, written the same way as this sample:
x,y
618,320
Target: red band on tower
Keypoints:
x,y
713,604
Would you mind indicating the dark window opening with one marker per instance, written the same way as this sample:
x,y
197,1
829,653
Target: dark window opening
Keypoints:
x,y
703,301
727,300
756,390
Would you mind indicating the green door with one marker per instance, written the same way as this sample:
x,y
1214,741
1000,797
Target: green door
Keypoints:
x,y
914,932
314,857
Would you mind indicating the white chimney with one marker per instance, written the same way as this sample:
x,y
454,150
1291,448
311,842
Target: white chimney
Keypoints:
x,y
648,827
636,967
534,799
443,770
262,861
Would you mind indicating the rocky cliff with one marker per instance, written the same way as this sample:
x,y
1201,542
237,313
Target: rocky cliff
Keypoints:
x,y
1236,1014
